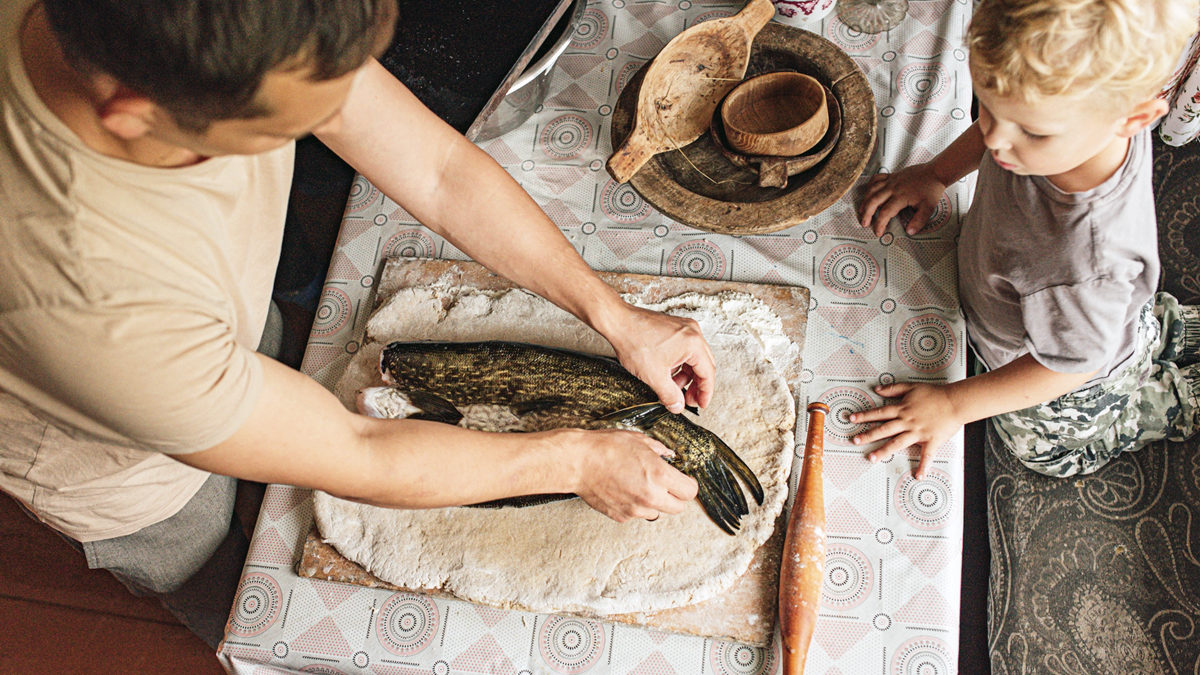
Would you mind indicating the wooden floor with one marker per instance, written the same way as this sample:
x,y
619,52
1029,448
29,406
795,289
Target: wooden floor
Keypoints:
x,y
58,616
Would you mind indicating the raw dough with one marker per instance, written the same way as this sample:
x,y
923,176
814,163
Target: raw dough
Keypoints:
x,y
563,556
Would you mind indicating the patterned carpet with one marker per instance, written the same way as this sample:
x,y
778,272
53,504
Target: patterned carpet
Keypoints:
x,y
1100,574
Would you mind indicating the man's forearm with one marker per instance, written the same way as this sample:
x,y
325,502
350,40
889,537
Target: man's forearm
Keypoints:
x,y
460,192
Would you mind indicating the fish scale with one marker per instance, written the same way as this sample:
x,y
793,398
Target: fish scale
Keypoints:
x,y
555,388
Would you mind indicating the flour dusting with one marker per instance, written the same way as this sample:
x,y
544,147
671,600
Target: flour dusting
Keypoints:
x,y
564,556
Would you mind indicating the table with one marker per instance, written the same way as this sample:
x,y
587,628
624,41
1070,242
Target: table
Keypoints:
x,y
882,309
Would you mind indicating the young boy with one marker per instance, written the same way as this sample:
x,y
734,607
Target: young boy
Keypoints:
x,y
146,150
1057,257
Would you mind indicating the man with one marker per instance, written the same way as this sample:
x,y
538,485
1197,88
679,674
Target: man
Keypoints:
x,y
146,151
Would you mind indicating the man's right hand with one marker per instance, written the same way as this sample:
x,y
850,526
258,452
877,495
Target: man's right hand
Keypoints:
x,y
623,475
887,194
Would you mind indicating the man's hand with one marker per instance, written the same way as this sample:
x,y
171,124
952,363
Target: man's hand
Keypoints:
x,y
666,352
924,416
623,474
887,194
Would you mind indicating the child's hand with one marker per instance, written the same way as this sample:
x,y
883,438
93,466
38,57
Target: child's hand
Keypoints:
x,y
925,416
888,193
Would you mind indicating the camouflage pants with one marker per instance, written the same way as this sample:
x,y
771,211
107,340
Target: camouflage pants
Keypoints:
x,y
1153,396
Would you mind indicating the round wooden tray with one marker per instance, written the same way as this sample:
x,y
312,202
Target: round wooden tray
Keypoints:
x,y
698,186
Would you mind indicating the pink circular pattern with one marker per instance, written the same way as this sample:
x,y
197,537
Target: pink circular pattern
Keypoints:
x,y
733,658
927,503
923,83
697,259
332,312
362,195
257,606
923,656
926,343
843,401
566,136
849,39
625,74
850,271
411,243
849,577
591,29
407,623
621,203
571,645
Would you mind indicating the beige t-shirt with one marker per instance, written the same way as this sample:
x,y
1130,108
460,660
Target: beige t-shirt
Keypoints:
x,y
131,302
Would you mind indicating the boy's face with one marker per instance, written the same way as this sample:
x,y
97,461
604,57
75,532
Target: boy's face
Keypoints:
x,y
1053,137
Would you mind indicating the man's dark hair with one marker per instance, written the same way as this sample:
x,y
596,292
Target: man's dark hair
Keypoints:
x,y
204,60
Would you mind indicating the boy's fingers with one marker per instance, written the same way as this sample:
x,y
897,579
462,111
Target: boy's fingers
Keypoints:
x,y
926,460
893,446
919,219
882,431
883,412
894,390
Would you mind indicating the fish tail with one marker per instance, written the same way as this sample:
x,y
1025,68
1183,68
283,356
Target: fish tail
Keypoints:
x,y
717,507
723,477
731,460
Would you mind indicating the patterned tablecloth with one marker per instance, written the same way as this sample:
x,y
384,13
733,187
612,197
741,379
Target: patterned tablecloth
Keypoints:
x,y
883,309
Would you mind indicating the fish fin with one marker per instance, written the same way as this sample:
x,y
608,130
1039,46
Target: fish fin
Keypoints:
x,y
642,416
537,405
692,409
433,407
740,468
717,509
522,500
727,484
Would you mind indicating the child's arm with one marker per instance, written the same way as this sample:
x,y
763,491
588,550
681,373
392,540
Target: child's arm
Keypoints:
x,y
920,185
928,414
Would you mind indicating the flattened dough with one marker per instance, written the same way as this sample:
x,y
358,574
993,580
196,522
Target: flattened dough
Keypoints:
x,y
563,556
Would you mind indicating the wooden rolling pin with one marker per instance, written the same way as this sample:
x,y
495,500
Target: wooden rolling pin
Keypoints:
x,y
802,571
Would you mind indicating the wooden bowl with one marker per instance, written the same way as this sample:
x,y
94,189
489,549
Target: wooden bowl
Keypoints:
x,y
775,171
781,114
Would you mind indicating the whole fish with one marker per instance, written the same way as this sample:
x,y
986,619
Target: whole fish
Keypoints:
x,y
525,387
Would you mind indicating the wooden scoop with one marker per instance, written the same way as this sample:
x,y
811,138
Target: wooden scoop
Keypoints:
x,y
802,569
684,84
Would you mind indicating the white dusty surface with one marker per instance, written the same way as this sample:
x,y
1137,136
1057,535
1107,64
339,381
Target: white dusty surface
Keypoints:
x,y
565,557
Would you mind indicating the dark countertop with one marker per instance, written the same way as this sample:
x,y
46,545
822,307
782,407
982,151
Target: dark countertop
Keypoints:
x,y
454,54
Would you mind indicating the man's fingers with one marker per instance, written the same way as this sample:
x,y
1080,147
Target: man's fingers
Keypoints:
x,y
703,372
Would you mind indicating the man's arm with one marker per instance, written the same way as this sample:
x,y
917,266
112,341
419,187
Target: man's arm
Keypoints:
x,y
457,190
300,434
928,414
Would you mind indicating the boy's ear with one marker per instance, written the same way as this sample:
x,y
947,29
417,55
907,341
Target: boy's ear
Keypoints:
x,y
1143,115
127,114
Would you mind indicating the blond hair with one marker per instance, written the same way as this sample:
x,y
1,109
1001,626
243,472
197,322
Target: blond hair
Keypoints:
x,y
1035,49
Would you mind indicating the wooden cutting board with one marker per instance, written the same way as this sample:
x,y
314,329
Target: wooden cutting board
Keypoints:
x,y
744,613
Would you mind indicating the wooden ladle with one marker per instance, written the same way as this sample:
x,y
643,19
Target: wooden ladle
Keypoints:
x,y
684,84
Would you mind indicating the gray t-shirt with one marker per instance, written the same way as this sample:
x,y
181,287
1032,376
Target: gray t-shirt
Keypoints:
x,y
1061,276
